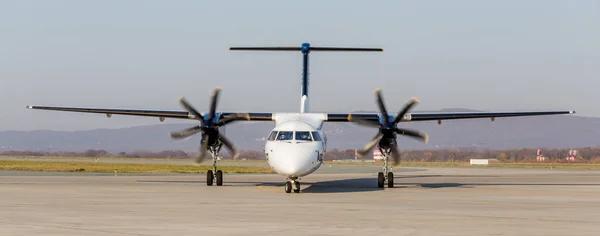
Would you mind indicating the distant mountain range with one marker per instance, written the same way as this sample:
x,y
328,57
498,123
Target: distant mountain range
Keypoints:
x,y
559,131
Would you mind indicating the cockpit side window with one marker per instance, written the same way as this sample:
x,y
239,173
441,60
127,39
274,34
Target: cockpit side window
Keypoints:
x,y
285,135
316,136
303,136
272,136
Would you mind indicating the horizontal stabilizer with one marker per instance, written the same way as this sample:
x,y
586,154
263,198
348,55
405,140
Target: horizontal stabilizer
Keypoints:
x,y
346,49
330,49
305,49
266,48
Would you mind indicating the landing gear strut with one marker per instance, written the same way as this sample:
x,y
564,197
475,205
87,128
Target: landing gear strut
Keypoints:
x,y
214,174
292,184
387,174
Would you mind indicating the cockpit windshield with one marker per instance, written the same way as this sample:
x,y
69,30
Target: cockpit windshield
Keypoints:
x,y
285,135
316,136
272,136
294,135
303,136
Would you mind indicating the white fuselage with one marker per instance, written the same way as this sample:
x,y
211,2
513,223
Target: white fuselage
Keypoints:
x,y
296,146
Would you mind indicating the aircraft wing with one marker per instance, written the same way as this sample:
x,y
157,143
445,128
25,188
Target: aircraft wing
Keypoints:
x,y
162,114
427,116
331,117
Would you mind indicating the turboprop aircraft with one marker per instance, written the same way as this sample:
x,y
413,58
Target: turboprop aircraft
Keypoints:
x,y
296,145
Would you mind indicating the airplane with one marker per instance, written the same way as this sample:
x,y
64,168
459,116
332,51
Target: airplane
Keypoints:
x,y
296,146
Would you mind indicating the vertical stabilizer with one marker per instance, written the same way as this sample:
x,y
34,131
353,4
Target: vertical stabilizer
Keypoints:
x,y
304,104
304,94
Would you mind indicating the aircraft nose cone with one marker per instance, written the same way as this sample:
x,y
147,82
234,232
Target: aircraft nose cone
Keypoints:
x,y
294,161
291,169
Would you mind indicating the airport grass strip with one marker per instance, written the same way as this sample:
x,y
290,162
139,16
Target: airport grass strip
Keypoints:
x,y
548,165
75,158
407,163
98,167
466,164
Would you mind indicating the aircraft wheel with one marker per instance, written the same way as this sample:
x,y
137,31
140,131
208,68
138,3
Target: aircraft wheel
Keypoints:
x,y
209,178
380,179
390,180
288,187
296,187
219,176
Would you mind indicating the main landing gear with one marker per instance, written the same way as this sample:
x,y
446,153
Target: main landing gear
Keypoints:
x,y
292,184
214,175
387,174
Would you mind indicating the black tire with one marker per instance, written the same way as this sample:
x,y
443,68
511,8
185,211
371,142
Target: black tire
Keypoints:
x,y
390,180
209,178
288,187
380,180
219,176
296,187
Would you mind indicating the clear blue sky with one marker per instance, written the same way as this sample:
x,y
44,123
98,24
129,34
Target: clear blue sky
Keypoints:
x,y
487,55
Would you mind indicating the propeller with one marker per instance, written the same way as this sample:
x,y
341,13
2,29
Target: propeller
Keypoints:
x,y
209,126
386,136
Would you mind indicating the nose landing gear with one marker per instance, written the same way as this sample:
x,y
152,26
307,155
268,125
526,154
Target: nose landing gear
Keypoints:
x,y
292,185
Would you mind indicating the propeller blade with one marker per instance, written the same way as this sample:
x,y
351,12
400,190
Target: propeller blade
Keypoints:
x,y
203,148
229,146
191,109
415,134
185,133
395,154
370,145
364,122
408,106
232,118
381,105
213,103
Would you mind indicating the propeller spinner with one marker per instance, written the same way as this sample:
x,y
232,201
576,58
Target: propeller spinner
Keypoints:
x,y
386,136
209,127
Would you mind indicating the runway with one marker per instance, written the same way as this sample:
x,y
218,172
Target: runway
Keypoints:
x,y
425,201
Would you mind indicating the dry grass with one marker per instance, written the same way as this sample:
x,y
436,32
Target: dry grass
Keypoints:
x,y
92,158
63,166
466,164
548,165
404,163
103,167
119,158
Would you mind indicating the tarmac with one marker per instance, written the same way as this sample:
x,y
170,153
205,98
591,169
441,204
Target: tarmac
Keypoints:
x,y
336,200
